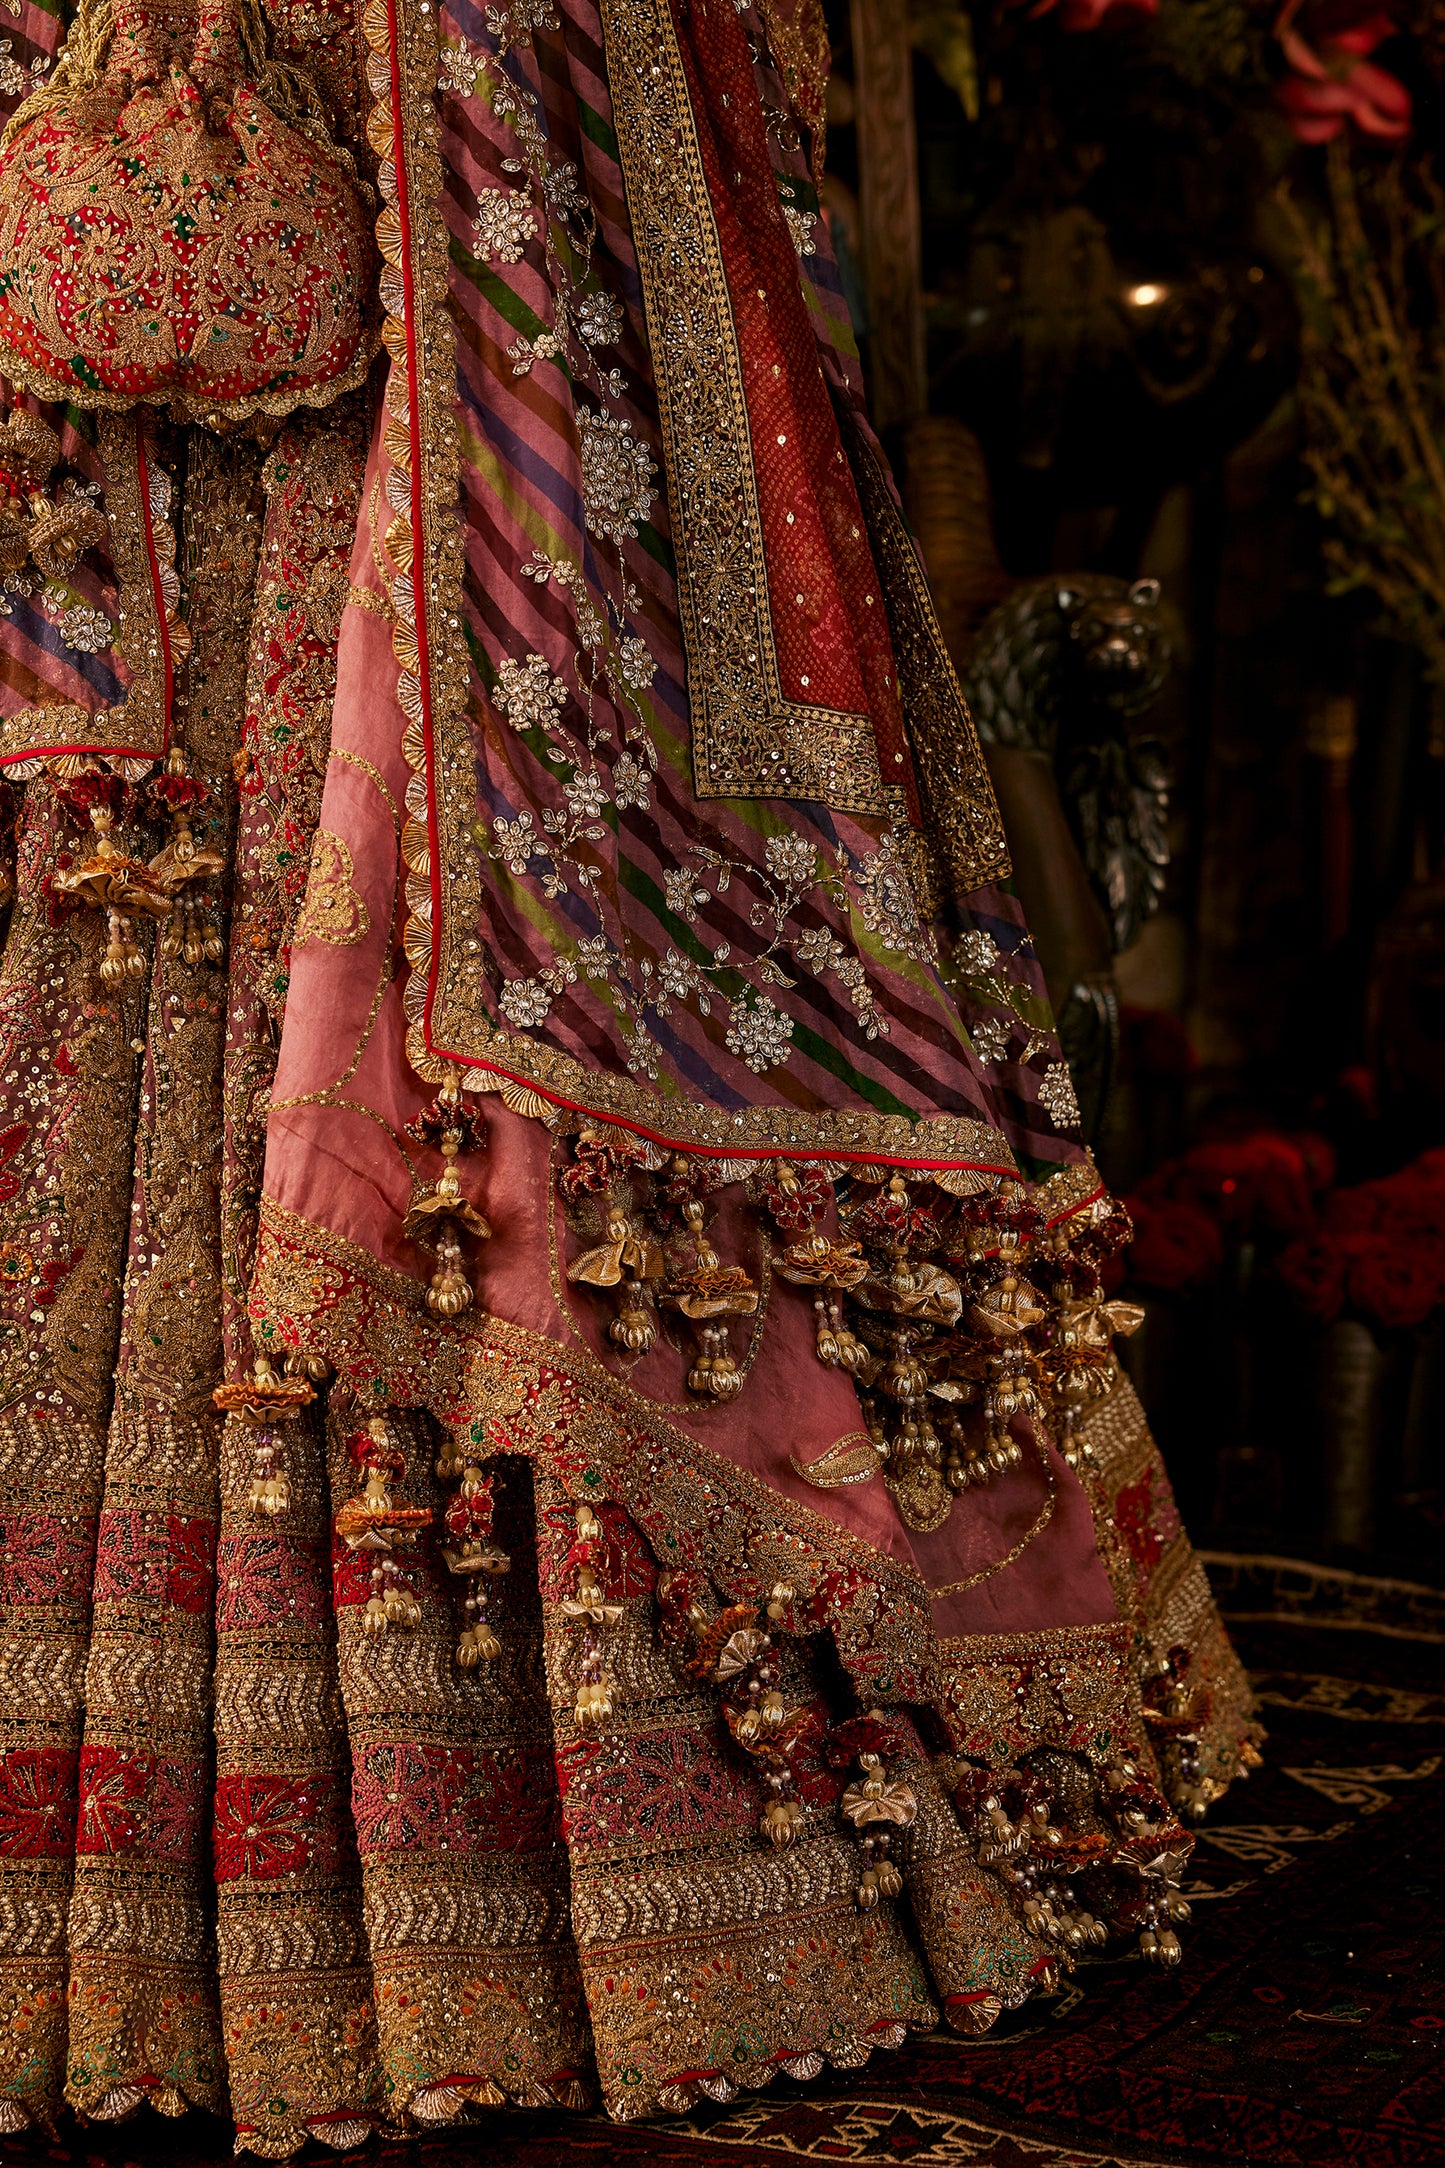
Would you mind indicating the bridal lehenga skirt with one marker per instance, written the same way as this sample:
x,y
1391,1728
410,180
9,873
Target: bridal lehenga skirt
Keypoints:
x,y
572,1526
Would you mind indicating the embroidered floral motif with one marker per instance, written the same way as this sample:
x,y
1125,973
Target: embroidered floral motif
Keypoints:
x,y
1057,1096
86,629
14,81
599,319
800,227
991,1038
617,476
528,694
761,1034
505,223
512,22
977,951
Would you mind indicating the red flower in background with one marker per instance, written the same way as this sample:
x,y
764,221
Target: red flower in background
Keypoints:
x,y
1263,1181
1333,82
1089,14
1175,1244
1394,1282
1313,1270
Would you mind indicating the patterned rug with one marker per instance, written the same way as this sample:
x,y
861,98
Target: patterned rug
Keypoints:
x,y
1305,2030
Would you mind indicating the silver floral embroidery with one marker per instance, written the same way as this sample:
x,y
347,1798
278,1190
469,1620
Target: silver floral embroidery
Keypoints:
x,y
819,950
791,858
631,783
598,318
525,353
14,81
528,694
636,663
86,629
617,476
760,1034
800,226
990,1037
525,1003
976,950
516,842
504,224
887,902
512,22
1057,1096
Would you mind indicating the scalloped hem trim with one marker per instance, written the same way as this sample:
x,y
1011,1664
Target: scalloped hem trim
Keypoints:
x,y
684,2092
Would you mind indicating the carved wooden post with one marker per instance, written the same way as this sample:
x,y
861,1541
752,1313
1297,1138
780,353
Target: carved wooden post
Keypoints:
x,y
891,235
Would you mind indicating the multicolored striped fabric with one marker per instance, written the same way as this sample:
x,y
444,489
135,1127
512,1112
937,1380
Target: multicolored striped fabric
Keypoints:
x,y
615,941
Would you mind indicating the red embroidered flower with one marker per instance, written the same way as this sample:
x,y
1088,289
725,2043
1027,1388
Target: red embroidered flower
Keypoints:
x,y
1134,1519
508,1810
176,1827
264,1579
11,1140
409,1794
262,1826
37,1802
113,1786
1333,83
44,1559
189,1573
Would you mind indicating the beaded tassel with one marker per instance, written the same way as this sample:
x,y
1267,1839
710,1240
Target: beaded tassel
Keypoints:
x,y
110,879
734,1652
876,1805
265,1403
470,1553
439,1215
376,1524
593,1609
185,867
708,1295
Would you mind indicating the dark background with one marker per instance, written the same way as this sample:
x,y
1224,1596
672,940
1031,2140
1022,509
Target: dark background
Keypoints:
x,y
1293,984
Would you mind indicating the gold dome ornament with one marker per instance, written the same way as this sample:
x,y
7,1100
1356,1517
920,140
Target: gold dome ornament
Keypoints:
x,y
440,1215
263,1404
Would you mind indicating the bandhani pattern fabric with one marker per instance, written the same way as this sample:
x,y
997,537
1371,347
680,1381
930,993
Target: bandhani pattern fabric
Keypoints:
x,y
573,1527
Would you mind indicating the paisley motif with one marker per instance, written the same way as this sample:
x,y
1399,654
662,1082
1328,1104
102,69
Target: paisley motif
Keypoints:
x,y
332,911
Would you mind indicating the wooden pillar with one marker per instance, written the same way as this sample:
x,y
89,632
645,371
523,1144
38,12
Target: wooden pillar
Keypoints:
x,y
891,228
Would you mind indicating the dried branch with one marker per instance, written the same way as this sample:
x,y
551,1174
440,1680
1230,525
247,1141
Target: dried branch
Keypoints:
x,y
1372,391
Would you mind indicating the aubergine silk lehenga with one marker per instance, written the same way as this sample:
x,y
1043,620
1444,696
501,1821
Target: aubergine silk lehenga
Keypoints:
x,y
571,1526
